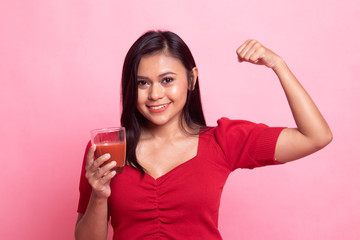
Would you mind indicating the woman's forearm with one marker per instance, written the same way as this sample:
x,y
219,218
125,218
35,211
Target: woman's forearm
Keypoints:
x,y
93,225
308,119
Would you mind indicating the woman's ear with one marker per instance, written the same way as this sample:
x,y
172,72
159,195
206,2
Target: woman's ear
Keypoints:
x,y
194,77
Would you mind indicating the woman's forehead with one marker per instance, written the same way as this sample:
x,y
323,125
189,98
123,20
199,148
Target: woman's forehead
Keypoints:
x,y
159,61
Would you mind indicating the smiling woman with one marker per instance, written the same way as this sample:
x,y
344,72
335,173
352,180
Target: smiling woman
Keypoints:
x,y
162,47
176,165
163,87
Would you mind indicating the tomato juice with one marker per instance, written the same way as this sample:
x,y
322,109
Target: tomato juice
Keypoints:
x,y
117,151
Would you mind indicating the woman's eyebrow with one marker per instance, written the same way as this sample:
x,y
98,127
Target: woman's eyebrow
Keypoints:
x,y
167,73
161,75
141,77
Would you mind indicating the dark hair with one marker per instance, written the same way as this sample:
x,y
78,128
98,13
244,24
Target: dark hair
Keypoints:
x,y
131,119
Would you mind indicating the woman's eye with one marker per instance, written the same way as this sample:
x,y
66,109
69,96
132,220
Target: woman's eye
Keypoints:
x,y
168,80
141,83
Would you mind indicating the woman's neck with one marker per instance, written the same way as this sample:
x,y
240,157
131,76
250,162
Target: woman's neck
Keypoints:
x,y
169,131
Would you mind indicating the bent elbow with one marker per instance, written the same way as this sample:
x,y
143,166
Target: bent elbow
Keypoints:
x,y
324,140
330,137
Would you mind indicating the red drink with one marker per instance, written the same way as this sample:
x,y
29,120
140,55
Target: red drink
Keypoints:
x,y
113,141
117,152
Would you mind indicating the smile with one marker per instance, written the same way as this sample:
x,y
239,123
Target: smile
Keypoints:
x,y
158,108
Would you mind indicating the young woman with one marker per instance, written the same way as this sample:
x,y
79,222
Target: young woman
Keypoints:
x,y
176,165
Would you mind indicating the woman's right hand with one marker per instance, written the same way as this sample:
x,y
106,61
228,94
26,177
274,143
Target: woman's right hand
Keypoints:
x,y
99,176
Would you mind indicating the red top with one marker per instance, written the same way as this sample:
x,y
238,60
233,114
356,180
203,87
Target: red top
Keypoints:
x,y
184,203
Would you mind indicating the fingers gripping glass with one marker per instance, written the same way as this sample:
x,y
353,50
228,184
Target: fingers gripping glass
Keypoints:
x,y
112,141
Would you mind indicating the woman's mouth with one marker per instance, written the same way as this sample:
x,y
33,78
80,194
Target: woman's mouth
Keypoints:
x,y
158,108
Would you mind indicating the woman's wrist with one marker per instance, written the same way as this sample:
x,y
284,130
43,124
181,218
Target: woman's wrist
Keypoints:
x,y
279,65
98,200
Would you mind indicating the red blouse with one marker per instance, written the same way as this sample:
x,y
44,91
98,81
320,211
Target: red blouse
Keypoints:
x,y
184,203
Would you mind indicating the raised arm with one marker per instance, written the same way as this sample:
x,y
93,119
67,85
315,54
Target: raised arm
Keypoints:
x,y
312,132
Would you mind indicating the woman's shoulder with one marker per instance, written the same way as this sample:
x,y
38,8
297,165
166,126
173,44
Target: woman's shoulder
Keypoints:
x,y
225,123
234,128
226,120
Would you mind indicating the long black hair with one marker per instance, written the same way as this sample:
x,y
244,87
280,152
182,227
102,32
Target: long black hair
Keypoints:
x,y
131,119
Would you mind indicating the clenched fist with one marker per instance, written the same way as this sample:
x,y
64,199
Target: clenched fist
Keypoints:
x,y
254,52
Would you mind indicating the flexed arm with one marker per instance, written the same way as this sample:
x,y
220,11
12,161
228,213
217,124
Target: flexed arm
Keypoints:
x,y
312,132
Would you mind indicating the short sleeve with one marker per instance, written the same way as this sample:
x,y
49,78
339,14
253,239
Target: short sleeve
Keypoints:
x,y
246,144
84,186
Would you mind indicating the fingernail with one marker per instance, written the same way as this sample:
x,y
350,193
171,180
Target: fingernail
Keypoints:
x,y
107,155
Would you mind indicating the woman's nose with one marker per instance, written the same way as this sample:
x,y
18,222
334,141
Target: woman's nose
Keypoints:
x,y
156,92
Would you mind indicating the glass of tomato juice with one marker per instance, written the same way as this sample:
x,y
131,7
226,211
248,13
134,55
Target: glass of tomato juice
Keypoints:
x,y
113,141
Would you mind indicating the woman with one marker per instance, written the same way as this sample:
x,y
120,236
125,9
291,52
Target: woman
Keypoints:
x,y
176,166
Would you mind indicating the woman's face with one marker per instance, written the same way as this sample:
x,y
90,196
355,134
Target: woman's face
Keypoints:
x,y
162,88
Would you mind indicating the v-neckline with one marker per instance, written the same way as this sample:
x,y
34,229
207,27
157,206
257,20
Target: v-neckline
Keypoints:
x,y
174,169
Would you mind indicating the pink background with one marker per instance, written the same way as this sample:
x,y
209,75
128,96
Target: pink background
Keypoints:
x,y
60,67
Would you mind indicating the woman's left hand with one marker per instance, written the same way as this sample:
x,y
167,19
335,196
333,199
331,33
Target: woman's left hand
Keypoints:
x,y
254,52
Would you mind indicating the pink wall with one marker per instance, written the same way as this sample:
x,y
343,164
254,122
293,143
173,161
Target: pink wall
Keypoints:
x,y
60,66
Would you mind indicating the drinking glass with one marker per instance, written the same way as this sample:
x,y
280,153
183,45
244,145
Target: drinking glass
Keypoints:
x,y
113,141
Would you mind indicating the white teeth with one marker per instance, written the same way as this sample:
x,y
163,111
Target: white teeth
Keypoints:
x,y
158,107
